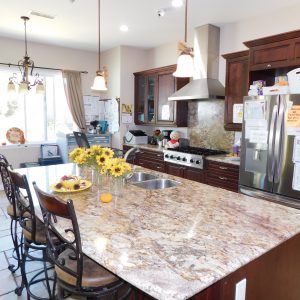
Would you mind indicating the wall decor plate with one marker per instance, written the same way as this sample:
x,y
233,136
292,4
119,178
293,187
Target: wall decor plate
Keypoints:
x,y
84,184
15,135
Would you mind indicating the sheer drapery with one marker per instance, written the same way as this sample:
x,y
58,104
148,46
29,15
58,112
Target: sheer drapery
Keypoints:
x,y
73,90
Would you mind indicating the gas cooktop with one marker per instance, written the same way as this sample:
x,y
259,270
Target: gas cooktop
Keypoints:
x,y
189,156
198,151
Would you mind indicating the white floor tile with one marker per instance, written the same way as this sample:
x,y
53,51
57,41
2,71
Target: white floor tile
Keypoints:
x,y
7,282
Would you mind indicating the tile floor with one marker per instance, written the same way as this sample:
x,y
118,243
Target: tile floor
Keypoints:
x,y
9,281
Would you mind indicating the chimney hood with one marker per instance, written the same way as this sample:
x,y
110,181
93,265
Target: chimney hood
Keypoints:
x,y
205,84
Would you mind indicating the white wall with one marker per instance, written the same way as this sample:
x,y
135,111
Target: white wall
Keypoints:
x,y
234,34
11,51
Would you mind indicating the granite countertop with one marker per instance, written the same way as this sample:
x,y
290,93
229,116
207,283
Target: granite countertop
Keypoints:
x,y
175,242
146,147
234,160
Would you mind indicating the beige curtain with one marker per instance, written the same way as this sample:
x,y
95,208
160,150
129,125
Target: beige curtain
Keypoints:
x,y
73,90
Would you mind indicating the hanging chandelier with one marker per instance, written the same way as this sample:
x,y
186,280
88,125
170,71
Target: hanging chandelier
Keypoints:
x,y
25,65
185,62
100,79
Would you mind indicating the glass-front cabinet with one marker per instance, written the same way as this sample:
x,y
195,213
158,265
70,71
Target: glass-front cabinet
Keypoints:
x,y
152,89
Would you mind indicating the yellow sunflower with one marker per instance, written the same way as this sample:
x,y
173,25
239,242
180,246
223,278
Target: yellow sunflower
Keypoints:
x,y
108,152
117,171
101,160
96,149
75,153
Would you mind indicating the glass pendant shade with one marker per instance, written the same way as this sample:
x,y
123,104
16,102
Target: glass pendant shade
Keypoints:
x,y
11,89
99,83
23,88
185,66
40,89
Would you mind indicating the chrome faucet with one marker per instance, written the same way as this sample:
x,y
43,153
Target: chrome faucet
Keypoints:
x,y
130,151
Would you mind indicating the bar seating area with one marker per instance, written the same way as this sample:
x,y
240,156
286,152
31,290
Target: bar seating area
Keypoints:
x,y
51,238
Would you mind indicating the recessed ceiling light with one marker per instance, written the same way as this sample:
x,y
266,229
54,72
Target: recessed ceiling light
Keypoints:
x,y
177,3
124,28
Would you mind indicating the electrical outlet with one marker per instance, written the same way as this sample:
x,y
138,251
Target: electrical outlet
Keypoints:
x,y
240,290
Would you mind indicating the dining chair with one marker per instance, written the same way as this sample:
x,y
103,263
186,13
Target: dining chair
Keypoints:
x,y
76,273
12,211
81,139
34,237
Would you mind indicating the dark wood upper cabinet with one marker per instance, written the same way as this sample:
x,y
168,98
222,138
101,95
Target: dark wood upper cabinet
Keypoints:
x,y
236,87
152,89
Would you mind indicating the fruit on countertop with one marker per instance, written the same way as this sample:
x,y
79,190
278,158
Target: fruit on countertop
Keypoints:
x,y
107,197
70,182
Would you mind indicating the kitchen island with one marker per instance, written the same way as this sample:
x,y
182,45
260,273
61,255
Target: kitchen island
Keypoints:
x,y
189,240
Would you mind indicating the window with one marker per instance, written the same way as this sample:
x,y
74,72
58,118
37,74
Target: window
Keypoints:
x,y
38,116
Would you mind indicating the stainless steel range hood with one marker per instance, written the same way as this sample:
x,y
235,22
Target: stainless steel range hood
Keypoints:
x,y
205,84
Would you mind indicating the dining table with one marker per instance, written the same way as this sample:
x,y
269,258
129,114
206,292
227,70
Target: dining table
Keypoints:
x,y
171,243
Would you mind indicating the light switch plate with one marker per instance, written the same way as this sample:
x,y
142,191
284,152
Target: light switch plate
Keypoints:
x,y
240,290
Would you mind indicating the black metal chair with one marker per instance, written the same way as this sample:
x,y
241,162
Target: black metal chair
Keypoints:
x,y
76,273
81,139
34,237
12,211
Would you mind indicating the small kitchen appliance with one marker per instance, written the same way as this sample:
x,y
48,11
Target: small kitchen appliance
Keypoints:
x,y
189,156
166,134
134,137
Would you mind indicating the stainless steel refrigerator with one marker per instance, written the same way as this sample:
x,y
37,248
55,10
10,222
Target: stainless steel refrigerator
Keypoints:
x,y
270,149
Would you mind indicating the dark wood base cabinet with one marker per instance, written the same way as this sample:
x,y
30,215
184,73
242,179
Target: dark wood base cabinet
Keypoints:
x,y
272,276
186,172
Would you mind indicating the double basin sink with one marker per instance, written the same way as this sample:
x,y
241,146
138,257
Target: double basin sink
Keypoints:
x,y
151,182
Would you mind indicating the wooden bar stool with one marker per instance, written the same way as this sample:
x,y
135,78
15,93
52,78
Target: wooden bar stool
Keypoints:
x,y
76,273
34,237
12,211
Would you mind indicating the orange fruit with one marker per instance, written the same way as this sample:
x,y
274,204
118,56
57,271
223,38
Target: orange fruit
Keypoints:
x,y
106,197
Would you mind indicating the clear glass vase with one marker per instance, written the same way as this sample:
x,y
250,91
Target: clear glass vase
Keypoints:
x,y
82,171
117,186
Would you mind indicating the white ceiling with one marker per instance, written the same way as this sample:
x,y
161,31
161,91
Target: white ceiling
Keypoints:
x,y
76,23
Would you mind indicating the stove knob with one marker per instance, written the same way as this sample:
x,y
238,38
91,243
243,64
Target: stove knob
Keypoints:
x,y
171,156
197,162
178,158
167,156
191,160
184,159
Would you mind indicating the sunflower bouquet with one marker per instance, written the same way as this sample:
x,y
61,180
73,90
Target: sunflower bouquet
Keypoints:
x,y
118,168
96,156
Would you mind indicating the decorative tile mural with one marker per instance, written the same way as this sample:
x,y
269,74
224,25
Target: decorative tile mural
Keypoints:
x,y
206,125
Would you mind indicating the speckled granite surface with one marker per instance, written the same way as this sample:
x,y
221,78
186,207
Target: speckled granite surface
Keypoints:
x,y
148,147
175,242
224,159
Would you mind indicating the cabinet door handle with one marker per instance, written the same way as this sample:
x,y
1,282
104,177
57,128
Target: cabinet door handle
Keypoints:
x,y
141,164
222,178
142,152
158,167
269,65
158,155
223,168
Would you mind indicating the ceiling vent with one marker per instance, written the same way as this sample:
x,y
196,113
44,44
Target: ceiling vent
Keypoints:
x,y
42,15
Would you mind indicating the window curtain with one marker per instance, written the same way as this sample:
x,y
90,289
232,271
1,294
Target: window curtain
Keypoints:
x,y
73,90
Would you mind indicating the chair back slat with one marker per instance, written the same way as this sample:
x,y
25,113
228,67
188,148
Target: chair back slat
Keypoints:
x,y
24,202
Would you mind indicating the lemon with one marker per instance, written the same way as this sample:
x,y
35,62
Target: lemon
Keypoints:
x,y
106,198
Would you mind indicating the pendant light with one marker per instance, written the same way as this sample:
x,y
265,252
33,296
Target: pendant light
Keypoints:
x,y
26,66
185,63
99,81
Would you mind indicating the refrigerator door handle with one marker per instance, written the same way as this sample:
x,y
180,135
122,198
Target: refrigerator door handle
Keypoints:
x,y
278,142
271,161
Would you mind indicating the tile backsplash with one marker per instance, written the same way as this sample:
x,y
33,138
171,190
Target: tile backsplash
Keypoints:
x,y
206,125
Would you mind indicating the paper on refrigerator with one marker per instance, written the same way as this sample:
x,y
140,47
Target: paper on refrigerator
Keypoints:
x,y
296,177
255,110
256,131
296,150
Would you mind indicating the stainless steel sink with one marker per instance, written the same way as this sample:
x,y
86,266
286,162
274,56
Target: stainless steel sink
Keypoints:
x,y
156,184
141,176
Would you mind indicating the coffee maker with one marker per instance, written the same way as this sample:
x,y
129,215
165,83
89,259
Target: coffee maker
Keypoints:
x,y
166,134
